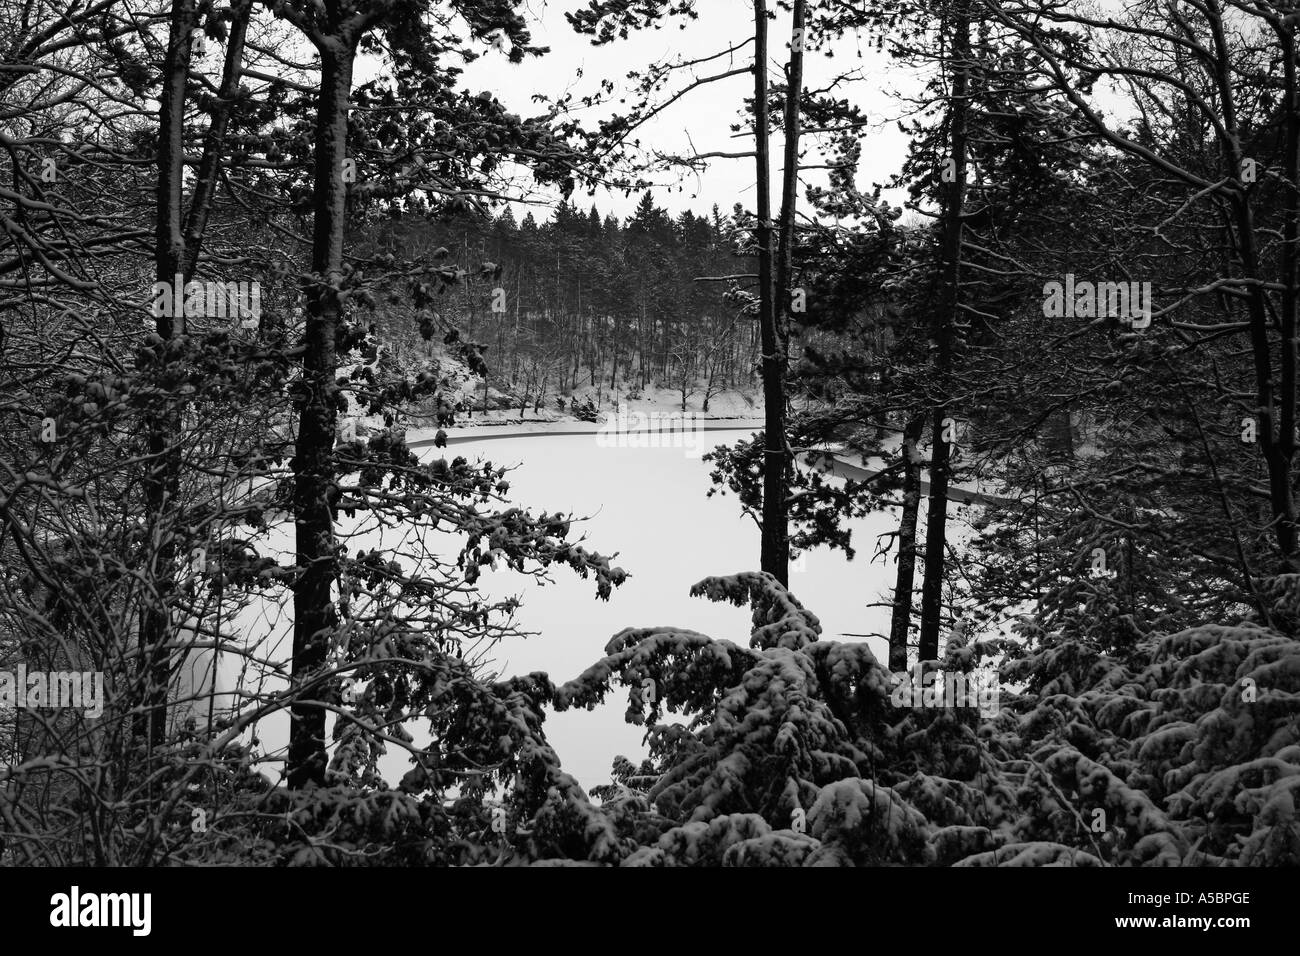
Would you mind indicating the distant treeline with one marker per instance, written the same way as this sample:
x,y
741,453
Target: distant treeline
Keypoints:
x,y
584,299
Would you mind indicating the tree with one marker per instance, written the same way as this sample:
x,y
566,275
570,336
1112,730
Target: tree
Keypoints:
x,y
1202,74
604,21
946,323
800,751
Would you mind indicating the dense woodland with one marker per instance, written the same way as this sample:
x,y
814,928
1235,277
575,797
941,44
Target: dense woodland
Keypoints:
x,y
583,299
1134,587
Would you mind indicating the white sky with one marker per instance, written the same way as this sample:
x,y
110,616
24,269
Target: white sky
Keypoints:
x,y
706,113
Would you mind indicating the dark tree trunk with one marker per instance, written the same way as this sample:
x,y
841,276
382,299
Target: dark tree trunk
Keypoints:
x,y
945,326
1290,301
316,489
905,582
205,181
775,553
161,483
790,173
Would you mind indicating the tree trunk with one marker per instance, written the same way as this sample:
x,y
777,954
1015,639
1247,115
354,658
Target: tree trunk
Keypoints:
x,y
882,420
945,322
1290,293
316,491
906,579
161,483
775,550
208,175
790,173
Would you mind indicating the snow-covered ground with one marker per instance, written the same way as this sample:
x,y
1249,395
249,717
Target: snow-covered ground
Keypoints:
x,y
648,504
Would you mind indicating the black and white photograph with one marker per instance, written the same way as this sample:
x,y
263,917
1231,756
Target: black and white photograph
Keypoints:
x,y
680,434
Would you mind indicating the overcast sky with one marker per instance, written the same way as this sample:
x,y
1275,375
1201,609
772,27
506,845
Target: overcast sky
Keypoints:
x,y
703,116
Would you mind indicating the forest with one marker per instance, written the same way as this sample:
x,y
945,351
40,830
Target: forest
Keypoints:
x,y
585,298
264,264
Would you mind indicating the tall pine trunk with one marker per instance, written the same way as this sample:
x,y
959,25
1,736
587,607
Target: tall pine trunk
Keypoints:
x,y
785,260
161,482
946,320
790,172
905,582
1290,286
316,489
775,548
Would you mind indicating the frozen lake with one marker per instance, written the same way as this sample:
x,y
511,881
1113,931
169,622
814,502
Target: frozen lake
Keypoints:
x,y
649,505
